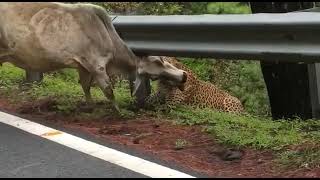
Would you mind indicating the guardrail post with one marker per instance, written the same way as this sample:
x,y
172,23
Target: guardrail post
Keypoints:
x,y
293,88
33,76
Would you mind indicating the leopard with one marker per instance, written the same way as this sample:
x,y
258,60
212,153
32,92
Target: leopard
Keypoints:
x,y
196,93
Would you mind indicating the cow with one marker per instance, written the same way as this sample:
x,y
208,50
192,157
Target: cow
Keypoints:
x,y
47,36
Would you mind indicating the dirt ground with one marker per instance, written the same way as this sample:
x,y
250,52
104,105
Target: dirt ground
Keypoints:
x,y
197,150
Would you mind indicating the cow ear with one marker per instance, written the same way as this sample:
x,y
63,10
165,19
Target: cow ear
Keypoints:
x,y
137,84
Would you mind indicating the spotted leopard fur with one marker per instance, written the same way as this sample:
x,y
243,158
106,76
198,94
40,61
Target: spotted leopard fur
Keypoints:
x,y
196,93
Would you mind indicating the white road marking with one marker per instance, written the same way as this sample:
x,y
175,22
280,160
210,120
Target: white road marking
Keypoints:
x,y
130,162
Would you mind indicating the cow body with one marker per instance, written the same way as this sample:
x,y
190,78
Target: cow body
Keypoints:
x,y
47,36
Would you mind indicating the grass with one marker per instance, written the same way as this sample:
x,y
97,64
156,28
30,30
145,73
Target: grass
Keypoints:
x,y
241,131
180,144
228,8
260,133
252,131
61,86
304,158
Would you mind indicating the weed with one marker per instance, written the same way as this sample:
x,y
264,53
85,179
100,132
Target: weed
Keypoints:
x,y
305,157
180,144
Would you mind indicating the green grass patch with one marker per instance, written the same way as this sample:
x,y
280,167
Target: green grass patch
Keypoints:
x,y
306,157
241,131
261,133
10,76
228,8
61,86
201,67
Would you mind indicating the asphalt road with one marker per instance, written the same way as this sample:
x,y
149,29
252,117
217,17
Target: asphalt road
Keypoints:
x,y
30,156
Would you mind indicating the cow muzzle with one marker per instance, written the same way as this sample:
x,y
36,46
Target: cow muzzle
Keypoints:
x,y
184,77
179,83
184,80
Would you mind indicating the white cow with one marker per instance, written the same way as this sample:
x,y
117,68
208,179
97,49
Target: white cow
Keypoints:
x,y
46,36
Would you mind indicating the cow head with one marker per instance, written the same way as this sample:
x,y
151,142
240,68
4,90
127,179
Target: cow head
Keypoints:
x,y
154,67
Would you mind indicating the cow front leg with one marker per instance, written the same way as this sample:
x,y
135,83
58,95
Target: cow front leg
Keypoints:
x,y
86,79
105,85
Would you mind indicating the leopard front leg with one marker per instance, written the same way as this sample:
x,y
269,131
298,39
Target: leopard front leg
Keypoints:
x,y
174,98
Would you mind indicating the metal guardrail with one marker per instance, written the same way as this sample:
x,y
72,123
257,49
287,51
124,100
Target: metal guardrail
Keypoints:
x,y
315,9
265,37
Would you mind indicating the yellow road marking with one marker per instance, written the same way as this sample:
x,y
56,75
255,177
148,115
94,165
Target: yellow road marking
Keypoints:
x,y
51,133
